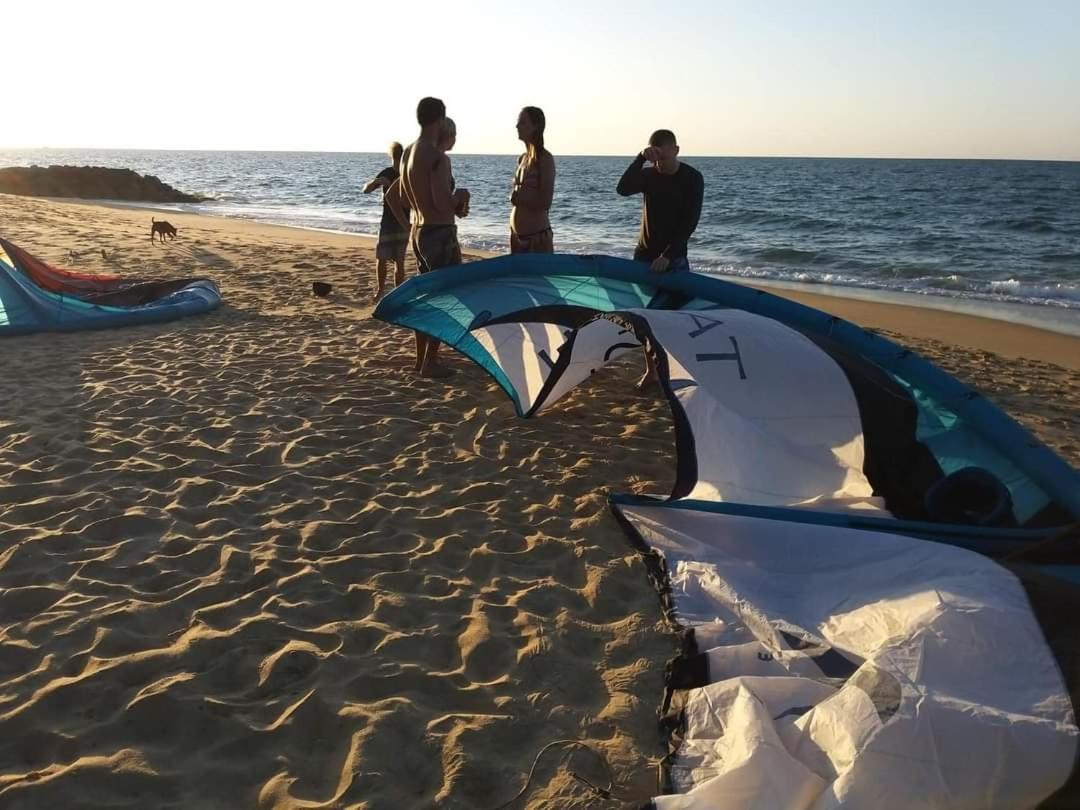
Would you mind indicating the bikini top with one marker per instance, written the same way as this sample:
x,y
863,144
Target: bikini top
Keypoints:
x,y
527,174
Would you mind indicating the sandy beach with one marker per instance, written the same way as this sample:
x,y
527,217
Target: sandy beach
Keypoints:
x,y
249,559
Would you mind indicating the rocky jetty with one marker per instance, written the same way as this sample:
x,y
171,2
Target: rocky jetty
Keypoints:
x,y
89,182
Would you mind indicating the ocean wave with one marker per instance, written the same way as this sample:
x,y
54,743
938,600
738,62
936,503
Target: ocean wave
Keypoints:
x,y
1066,296
1028,224
912,272
1060,258
790,255
779,219
1027,290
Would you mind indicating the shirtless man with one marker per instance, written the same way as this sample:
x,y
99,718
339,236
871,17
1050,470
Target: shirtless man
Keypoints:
x,y
426,187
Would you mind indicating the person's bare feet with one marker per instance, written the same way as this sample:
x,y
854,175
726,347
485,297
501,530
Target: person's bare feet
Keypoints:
x,y
379,295
434,371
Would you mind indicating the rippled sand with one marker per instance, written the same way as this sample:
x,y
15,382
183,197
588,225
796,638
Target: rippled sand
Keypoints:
x,y
249,559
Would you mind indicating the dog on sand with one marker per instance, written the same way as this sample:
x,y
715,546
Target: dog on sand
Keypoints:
x,y
161,229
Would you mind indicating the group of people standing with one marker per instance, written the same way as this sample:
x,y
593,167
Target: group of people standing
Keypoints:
x,y
421,204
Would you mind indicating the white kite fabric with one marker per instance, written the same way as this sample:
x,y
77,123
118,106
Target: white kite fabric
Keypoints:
x,y
841,668
526,354
772,417
939,689
835,654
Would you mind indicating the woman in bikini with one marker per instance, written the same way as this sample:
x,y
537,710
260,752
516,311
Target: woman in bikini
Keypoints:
x,y
534,186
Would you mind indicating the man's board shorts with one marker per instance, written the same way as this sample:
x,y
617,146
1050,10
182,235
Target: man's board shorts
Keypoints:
x,y
392,243
435,247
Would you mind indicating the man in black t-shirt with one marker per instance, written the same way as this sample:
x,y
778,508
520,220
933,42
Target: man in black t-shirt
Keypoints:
x,y
673,194
393,238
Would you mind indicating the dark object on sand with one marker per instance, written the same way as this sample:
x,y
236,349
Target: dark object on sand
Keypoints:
x,y
970,495
321,288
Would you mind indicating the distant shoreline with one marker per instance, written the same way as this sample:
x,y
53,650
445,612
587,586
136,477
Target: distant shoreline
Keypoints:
x,y
1054,320
1058,320
904,314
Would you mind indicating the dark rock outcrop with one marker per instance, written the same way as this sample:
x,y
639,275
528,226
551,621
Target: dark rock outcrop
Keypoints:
x,y
89,182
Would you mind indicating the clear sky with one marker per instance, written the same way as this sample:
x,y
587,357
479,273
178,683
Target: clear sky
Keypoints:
x,y
948,78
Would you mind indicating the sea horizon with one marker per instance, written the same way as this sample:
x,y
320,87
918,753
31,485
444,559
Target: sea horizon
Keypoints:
x,y
686,156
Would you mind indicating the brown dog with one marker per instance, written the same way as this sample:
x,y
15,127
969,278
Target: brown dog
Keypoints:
x,y
161,229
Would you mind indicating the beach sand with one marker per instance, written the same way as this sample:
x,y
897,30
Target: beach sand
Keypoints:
x,y
249,559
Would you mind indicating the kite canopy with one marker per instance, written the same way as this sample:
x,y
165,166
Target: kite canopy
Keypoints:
x,y
820,393
36,297
828,551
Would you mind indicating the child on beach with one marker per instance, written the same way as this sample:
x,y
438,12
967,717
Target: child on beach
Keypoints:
x,y
393,237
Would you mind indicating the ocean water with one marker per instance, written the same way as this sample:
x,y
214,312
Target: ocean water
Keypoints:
x,y
990,232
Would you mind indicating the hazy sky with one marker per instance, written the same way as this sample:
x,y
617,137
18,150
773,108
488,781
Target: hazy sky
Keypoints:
x,y
920,79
